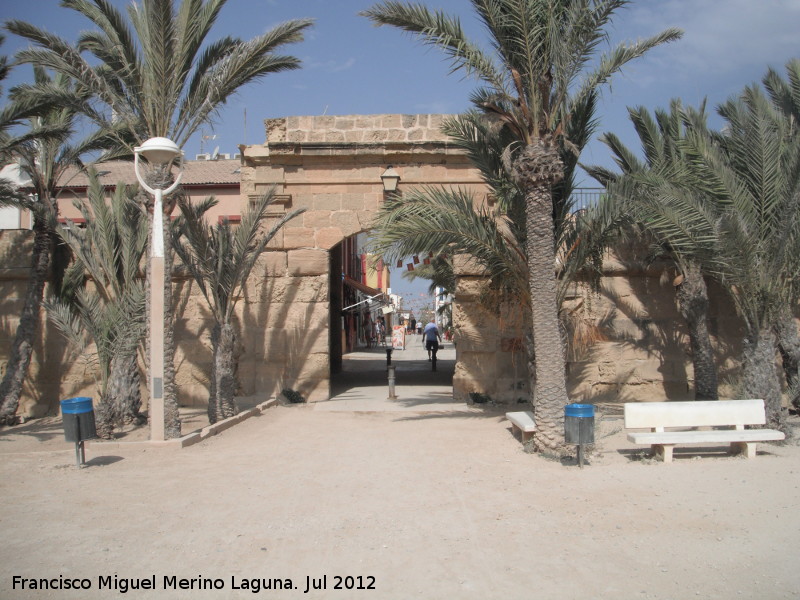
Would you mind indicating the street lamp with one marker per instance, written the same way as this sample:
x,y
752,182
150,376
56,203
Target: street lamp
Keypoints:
x,y
159,152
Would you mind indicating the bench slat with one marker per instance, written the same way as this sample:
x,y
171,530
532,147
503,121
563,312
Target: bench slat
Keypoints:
x,y
702,437
523,420
694,414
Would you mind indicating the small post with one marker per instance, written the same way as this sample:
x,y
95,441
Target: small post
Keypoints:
x,y
80,456
392,395
389,356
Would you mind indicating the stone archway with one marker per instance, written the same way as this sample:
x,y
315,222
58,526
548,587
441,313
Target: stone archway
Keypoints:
x,y
331,166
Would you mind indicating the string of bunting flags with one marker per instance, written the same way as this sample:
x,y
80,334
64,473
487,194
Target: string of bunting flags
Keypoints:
x,y
416,259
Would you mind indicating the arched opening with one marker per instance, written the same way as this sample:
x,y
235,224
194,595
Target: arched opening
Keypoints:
x,y
370,325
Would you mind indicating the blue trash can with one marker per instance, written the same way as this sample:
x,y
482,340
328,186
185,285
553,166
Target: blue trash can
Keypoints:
x,y
579,424
78,417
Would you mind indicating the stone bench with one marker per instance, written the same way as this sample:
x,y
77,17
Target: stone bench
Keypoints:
x,y
729,417
522,421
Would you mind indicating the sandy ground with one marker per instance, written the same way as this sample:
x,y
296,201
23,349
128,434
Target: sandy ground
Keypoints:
x,y
416,498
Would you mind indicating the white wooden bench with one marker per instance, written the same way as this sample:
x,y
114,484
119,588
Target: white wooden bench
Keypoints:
x,y
728,416
522,421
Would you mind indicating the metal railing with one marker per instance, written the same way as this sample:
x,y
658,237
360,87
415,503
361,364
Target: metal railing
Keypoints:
x,y
583,198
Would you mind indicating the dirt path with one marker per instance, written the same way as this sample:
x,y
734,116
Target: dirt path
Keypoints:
x,y
409,504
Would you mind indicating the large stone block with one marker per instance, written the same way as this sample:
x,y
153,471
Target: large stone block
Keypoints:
x,y
271,264
511,390
347,221
335,137
327,237
330,202
465,266
316,219
475,372
347,122
354,136
469,289
297,237
307,262
308,317
375,136
353,201
392,121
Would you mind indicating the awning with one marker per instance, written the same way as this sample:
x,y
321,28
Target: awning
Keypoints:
x,y
370,293
364,289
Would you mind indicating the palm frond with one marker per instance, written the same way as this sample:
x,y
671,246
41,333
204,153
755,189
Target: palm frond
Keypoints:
x,y
220,258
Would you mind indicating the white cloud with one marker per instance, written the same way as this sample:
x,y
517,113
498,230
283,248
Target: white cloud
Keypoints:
x,y
330,66
721,37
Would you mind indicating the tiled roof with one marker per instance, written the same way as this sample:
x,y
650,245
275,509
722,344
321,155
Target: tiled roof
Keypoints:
x,y
195,172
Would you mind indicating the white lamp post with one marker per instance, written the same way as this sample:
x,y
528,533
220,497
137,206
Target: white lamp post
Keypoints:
x,y
158,151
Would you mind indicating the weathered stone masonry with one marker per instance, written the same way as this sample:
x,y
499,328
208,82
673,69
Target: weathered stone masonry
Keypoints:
x,y
331,165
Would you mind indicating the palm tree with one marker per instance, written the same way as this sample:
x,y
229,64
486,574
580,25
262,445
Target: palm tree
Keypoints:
x,y
656,194
16,114
152,76
443,221
110,310
220,259
44,155
108,255
534,83
752,168
785,96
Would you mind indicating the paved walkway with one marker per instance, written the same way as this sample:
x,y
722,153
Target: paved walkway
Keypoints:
x,y
363,384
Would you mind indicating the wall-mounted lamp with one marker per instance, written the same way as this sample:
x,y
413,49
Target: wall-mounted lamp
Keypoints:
x,y
390,177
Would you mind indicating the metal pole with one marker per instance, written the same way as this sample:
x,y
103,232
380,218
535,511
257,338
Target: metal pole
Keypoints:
x,y
392,395
80,456
156,409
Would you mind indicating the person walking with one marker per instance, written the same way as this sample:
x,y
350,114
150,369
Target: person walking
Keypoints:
x,y
380,331
430,340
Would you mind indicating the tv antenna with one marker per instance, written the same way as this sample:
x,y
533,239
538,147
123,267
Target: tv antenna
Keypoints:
x,y
203,139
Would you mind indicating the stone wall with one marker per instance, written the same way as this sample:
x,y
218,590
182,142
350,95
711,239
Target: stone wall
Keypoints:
x,y
55,373
634,343
628,342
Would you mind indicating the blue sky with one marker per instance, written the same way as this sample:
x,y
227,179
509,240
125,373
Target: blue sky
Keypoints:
x,y
352,67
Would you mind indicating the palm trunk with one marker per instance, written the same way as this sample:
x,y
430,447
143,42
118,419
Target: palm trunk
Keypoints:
x,y
537,169
221,404
789,347
172,421
123,390
550,395
22,348
105,418
692,297
760,377
530,352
